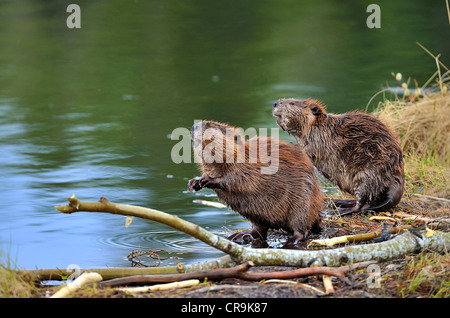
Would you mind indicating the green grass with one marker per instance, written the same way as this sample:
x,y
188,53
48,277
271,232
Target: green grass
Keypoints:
x,y
425,275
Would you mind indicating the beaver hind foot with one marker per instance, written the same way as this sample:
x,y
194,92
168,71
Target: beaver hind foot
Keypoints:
x,y
342,203
247,237
389,200
345,210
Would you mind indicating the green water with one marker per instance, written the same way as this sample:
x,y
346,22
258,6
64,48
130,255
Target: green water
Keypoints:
x,y
90,111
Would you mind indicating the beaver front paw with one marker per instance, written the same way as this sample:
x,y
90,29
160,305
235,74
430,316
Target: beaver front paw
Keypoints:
x,y
198,184
194,185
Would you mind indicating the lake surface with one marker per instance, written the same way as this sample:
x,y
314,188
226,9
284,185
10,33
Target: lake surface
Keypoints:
x,y
91,111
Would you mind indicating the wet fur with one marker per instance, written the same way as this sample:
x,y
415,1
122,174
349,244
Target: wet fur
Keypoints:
x,y
290,199
355,151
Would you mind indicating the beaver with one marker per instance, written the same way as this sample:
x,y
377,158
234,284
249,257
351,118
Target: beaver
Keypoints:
x,y
286,197
354,150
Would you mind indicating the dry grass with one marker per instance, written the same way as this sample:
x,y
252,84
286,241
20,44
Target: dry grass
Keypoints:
x,y
422,123
15,286
424,275
423,126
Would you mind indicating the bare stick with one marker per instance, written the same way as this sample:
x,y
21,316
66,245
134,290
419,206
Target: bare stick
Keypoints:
x,y
432,55
215,274
448,10
391,249
192,229
159,287
431,197
354,238
327,284
82,280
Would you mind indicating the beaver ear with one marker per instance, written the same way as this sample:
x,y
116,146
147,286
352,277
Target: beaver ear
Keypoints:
x,y
315,109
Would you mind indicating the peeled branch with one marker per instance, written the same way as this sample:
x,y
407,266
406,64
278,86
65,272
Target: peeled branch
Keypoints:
x,y
82,280
408,242
354,238
159,287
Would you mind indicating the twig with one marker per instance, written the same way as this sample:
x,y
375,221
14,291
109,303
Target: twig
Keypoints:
x,y
151,254
431,197
215,274
432,55
439,73
352,223
381,218
211,203
354,238
221,287
448,11
327,284
302,285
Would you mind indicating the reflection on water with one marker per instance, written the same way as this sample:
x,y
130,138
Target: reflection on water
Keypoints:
x,y
88,111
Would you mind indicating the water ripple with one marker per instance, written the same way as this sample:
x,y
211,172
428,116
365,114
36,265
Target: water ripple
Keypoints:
x,y
157,240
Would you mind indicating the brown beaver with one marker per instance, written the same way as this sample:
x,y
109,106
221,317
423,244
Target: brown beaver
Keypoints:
x,y
287,197
355,151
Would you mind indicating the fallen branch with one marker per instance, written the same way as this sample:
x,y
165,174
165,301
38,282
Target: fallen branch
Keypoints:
x,y
240,272
391,249
115,272
192,229
215,274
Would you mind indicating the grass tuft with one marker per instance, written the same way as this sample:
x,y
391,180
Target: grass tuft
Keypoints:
x,y
421,120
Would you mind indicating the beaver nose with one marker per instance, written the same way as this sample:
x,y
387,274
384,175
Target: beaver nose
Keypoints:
x,y
275,104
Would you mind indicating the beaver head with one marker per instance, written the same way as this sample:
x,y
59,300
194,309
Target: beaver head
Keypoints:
x,y
296,116
215,142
